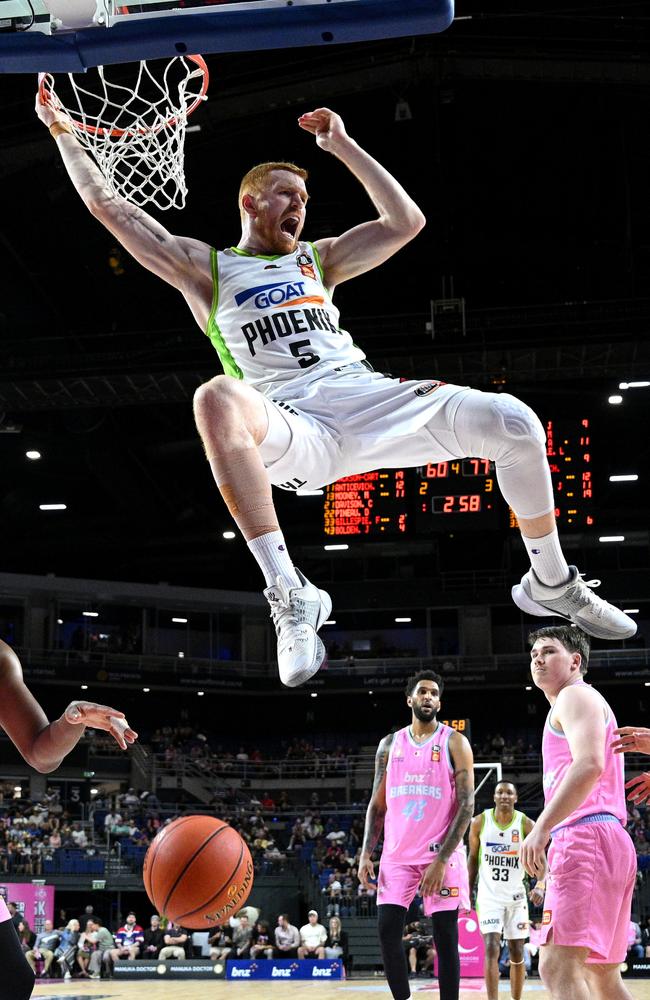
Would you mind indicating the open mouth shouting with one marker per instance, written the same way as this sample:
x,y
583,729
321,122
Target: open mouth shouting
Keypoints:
x,y
289,226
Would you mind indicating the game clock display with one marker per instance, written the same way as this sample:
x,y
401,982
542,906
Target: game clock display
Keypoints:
x,y
460,494
460,725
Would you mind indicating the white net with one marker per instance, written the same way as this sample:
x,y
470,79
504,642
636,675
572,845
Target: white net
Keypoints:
x,y
135,130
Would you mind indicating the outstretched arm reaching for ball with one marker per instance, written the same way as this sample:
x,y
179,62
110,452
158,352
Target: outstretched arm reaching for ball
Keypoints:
x,y
44,744
371,243
182,262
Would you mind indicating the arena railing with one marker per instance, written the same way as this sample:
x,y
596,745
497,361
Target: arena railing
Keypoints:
x,y
354,773
191,672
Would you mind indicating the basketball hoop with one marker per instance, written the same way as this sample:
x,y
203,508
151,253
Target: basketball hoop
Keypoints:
x,y
136,132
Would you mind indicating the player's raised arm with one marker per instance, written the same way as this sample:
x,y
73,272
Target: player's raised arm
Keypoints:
x,y
399,218
175,259
375,813
41,743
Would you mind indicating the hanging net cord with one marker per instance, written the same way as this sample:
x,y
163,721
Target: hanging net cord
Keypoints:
x,y
136,134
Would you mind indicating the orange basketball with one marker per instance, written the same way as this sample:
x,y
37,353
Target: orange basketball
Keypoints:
x,y
198,872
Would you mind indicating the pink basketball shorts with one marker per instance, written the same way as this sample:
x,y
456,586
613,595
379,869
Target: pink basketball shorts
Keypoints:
x,y
399,883
592,873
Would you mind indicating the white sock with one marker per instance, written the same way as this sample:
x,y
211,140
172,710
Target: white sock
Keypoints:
x,y
270,552
547,559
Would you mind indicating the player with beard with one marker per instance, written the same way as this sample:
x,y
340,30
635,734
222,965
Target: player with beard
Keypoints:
x,y
422,800
43,745
299,406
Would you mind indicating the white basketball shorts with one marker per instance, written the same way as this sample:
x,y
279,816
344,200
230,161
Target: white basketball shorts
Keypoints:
x,y
355,421
509,919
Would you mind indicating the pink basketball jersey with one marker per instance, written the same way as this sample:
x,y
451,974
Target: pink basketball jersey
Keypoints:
x,y
420,796
608,794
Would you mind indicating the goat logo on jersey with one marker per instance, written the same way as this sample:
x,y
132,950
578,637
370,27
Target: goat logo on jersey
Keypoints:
x,y
276,294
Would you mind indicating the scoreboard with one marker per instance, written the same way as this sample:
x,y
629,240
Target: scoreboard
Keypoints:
x,y
461,494
393,502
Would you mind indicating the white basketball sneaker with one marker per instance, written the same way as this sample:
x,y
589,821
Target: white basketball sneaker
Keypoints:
x,y
576,601
297,614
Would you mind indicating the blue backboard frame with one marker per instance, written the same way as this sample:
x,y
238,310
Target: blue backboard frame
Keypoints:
x,y
220,30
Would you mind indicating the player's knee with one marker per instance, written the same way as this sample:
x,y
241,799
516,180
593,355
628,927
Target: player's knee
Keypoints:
x,y
516,949
390,922
516,421
492,949
214,395
554,972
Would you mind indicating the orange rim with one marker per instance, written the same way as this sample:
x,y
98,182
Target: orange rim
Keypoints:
x,y
46,90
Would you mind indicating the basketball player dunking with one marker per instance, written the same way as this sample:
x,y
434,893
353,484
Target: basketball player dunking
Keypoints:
x,y
591,861
495,839
299,406
43,745
422,800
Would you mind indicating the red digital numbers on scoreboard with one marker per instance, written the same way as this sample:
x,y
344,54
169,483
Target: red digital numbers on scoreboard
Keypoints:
x,y
371,504
569,451
387,503
462,504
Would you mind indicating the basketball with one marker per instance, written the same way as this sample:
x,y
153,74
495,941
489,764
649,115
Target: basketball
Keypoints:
x,y
198,872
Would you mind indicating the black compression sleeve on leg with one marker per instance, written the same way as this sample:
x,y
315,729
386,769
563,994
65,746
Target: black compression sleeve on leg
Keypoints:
x,y
390,921
17,978
445,938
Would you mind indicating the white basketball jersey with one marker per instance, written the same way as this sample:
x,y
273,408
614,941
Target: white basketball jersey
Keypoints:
x,y
272,319
500,872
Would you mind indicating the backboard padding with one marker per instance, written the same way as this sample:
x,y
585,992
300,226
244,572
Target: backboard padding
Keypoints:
x,y
218,29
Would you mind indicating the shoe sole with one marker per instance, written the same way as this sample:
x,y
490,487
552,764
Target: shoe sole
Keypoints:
x,y
296,680
525,602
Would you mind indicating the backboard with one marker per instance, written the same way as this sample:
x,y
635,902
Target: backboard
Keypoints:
x,y
72,35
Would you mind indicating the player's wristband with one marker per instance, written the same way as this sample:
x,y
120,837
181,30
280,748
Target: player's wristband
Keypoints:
x,y
541,886
58,128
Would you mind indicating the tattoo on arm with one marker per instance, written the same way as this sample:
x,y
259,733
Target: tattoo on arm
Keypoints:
x,y
465,798
376,811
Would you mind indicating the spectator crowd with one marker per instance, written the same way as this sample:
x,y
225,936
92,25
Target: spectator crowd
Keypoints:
x,y
86,948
